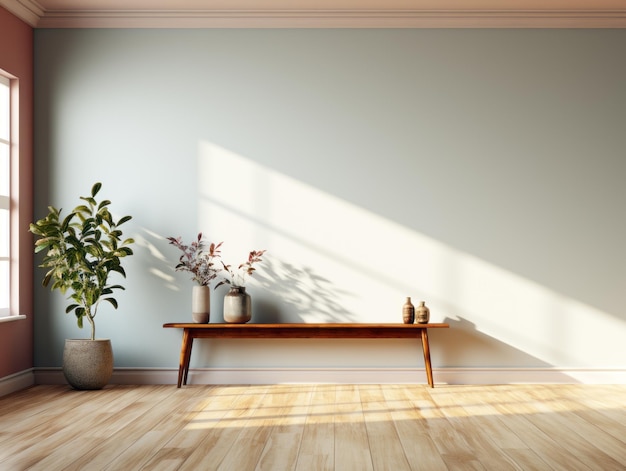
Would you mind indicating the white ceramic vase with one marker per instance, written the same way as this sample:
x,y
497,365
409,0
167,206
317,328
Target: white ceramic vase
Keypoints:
x,y
201,304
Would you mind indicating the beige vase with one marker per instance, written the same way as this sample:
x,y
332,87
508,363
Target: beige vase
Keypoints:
x,y
201,304
88,364
422,313
237,305
408,312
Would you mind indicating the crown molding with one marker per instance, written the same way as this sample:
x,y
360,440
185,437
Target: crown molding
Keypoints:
x,y
28,11
334,19
37,16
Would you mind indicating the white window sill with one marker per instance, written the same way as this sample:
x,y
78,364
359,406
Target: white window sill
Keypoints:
x,y
11,318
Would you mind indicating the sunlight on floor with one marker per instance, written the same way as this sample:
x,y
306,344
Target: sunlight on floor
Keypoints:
x,y
274,405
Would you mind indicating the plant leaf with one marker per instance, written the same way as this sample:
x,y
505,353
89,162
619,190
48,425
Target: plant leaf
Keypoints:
x,y
96,188
112,301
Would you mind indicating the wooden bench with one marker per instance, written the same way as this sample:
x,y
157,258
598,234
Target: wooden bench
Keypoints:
x,y
309,331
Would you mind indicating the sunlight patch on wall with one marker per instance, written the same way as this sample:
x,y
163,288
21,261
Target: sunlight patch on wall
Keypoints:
x,y
161,270
331,261
323,252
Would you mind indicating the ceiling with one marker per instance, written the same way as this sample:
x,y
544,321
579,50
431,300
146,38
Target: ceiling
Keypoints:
x,y
320,13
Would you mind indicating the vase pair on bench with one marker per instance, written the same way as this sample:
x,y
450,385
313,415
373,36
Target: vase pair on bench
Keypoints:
x,y
237,305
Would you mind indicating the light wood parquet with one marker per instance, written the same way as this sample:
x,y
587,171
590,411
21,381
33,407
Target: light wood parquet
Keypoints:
x,y
315,427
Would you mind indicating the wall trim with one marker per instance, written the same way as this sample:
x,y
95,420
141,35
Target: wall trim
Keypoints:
x,y
335,19
28,11
17,382
441,376
19,317
271,17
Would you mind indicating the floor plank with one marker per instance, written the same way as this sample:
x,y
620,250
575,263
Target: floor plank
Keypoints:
x,y
185,447
352,451
289,405
222,433
417,443
317,449
385,445
485,451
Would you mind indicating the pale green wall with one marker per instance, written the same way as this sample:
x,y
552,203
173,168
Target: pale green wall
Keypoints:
x,y
480,170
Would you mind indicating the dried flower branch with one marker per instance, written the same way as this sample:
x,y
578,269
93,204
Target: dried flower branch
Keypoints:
x,y
197,260
238,277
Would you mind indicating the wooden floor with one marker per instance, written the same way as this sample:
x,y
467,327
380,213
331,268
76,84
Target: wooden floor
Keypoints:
x,y
315,427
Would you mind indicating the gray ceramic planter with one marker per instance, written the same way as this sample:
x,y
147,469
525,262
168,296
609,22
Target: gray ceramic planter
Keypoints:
x,y
88,364
237,305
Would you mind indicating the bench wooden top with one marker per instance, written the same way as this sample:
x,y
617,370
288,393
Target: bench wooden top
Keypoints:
x,y
304,325
306,330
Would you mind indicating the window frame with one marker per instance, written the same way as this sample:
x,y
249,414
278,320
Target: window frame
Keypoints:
x,y
5,197
9,202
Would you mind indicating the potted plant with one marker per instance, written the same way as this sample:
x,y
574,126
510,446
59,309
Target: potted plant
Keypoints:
x,y
237,303
81,251
199,261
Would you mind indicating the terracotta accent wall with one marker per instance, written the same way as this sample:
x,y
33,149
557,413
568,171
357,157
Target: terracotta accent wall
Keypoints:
x,y
16,58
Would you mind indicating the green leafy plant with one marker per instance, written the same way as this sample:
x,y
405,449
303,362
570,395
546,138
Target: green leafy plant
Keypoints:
x,y
197,259
237,277
82,250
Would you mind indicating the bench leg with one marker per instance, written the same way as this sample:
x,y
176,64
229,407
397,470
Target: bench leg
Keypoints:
x,y
185,357
426,348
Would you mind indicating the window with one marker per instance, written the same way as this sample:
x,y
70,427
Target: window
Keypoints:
x,y
5,200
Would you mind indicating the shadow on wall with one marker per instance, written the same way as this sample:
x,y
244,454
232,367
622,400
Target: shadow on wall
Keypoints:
x,y
303,294
463,345
281,291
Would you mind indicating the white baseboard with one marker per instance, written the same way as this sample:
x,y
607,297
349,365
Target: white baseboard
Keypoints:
x,y
530,375
16,382
307,375
353,376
